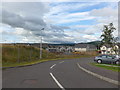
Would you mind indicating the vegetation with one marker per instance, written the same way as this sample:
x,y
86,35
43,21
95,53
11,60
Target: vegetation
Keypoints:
x,y
16,55
107,37
96,43
107,66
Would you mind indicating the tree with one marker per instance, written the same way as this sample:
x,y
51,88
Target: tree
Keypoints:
x,y
107,37
115,43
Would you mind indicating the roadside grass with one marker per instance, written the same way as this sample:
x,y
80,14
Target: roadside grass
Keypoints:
x,y
11,64
30,55
109,67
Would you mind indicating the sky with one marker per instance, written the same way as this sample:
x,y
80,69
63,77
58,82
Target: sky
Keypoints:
x,y
63,22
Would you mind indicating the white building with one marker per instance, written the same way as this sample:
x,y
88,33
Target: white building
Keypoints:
x,y
107,49
84,47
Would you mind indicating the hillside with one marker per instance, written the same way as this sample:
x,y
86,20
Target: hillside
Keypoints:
x,y
21,53
96,43
17,55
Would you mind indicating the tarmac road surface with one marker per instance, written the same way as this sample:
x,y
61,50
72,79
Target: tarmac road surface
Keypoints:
x,y
54,74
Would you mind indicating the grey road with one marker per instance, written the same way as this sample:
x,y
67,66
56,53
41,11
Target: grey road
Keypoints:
x,y
54,74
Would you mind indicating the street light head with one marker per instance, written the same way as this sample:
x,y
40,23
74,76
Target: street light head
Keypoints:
x,y
42,28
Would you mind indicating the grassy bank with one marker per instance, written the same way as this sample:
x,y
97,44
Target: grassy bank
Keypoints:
x,y
17,55
107,66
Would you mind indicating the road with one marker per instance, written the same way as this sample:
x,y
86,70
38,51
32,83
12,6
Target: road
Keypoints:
x,y
53,74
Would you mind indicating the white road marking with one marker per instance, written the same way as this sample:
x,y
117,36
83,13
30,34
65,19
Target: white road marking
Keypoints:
x,y
52,66
99,76
57,82
61,62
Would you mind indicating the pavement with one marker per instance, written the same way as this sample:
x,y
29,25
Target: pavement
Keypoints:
x,y
101,71
58,74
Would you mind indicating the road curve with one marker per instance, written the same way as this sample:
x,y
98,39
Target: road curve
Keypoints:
x,y
54,74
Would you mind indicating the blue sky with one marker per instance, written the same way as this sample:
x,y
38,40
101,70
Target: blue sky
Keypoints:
x,y
64,22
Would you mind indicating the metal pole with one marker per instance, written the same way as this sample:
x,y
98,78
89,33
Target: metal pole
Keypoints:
x,y
41,48
41,44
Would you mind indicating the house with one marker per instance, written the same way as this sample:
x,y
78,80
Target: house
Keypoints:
x,y
107,49
81,47
59,48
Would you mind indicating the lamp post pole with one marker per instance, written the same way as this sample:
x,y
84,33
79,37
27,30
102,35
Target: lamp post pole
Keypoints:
x,y
41,48
41,44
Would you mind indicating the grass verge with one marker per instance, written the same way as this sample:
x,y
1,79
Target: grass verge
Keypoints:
x,y
10,64
109,67
21,55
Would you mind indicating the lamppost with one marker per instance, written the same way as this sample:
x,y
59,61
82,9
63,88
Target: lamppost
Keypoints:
x,y
5,41
41,44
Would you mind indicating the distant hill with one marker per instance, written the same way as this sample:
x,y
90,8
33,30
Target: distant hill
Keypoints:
x,y
96,43
64,44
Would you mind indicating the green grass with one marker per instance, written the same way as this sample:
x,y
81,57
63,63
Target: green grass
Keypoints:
x,y
117,69
10,55
11,64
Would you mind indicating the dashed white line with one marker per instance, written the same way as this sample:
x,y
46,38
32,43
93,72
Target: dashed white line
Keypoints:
x,y
61,62
57,81
52,66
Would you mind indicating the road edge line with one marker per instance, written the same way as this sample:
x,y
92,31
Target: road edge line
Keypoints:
x,y
99,76
57,81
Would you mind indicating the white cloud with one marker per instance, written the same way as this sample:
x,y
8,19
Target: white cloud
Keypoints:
x,y
107,15
62,13
80,26
59,0
104,12
90,37
64,7
69,20
26,20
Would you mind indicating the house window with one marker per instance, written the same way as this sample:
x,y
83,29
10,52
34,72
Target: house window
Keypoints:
x,y
108,51
103,50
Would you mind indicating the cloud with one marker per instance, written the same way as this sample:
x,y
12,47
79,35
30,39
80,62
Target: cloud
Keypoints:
x,y
76,19
15,20
107,15
90,37
104,12
63,22
65,12
27,21
68,6
60,1
12,19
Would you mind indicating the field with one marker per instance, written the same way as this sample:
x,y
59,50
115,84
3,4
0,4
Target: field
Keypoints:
x,y
15,55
